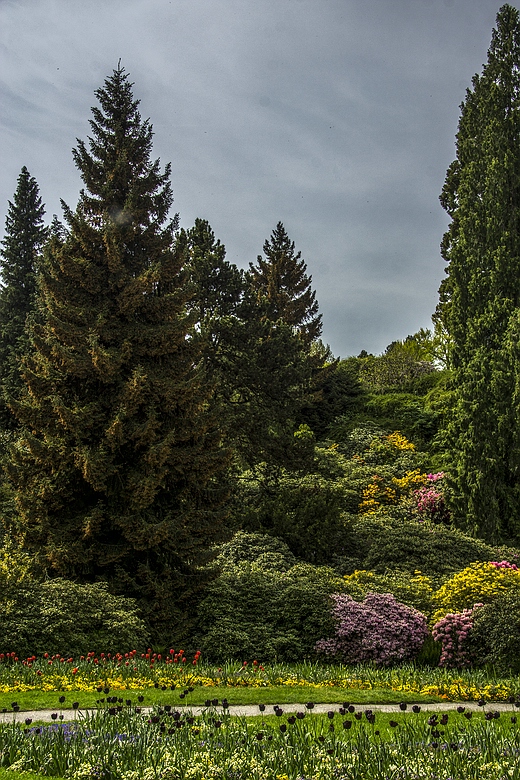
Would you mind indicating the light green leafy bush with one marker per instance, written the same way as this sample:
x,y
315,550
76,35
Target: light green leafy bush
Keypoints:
x,y
265,608
59,616
415,591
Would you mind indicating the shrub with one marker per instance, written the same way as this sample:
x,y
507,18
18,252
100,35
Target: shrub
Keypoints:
x,y
378,629
305,511
252,610
479,582
249,547
430,501
415,591
495,635
381,542
59,616
452,632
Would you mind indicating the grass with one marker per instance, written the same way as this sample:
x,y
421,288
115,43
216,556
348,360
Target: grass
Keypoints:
x,y
346,744
381,725
38,684
7,774
276,694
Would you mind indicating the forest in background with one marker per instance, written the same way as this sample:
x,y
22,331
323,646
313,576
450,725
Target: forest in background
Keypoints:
x,y
174,430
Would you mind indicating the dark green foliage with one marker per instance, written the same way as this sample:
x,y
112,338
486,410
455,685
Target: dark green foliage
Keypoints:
x,y
266,378
305,511
265,609
430,653
63,617
279,365
259,366
280,281
217,291
481,295
382,543
217,284
403,412
21,249
116,472
341,393
495,636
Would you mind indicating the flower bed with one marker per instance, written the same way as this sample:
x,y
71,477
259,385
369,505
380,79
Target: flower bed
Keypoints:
x,y
121,742
132,672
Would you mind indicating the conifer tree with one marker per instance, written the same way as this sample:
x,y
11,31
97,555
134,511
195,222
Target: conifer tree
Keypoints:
x,y
481,295
115,475
25,235
287,362
255,364
217,289
280,280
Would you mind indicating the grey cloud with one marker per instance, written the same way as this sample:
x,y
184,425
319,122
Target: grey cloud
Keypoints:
x,y
335,116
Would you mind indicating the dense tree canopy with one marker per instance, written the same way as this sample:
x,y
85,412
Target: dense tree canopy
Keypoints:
x,y
114,473
481,295
22,245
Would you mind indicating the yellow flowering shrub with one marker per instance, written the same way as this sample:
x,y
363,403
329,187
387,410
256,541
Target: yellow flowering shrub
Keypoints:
x,y
390,491
399,441
479,583
413,590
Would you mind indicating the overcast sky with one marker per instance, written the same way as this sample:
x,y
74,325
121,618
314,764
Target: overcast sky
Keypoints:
x,y
336,117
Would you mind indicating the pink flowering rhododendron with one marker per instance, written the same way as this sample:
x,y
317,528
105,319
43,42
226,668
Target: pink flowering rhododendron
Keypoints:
x,y
430,500
379,629
452,632
504,565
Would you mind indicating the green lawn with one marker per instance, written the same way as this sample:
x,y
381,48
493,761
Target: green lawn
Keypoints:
x,y
276,694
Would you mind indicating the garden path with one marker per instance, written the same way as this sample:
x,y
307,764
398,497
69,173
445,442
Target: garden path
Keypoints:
x,y
250,710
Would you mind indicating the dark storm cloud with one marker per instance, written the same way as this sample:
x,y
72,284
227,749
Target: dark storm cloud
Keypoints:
x,y
335,116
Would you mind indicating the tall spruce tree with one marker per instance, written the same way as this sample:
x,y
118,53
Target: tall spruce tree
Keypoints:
x,y
480,298
254,363
280,281
115,475
25,235
287,362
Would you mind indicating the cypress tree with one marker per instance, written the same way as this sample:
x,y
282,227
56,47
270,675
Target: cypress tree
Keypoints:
x,y
25,235
115,475
481,295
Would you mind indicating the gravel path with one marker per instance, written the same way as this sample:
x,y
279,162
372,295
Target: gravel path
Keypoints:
x,y
45,715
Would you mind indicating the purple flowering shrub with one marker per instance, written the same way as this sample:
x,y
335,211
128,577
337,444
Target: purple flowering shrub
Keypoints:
x,y
378,629
430,502
452,632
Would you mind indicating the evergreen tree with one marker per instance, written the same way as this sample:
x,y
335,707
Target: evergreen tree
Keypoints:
x,y
259,366
115,475
25,235
280,280
217,282
281,364
217,288
481,296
